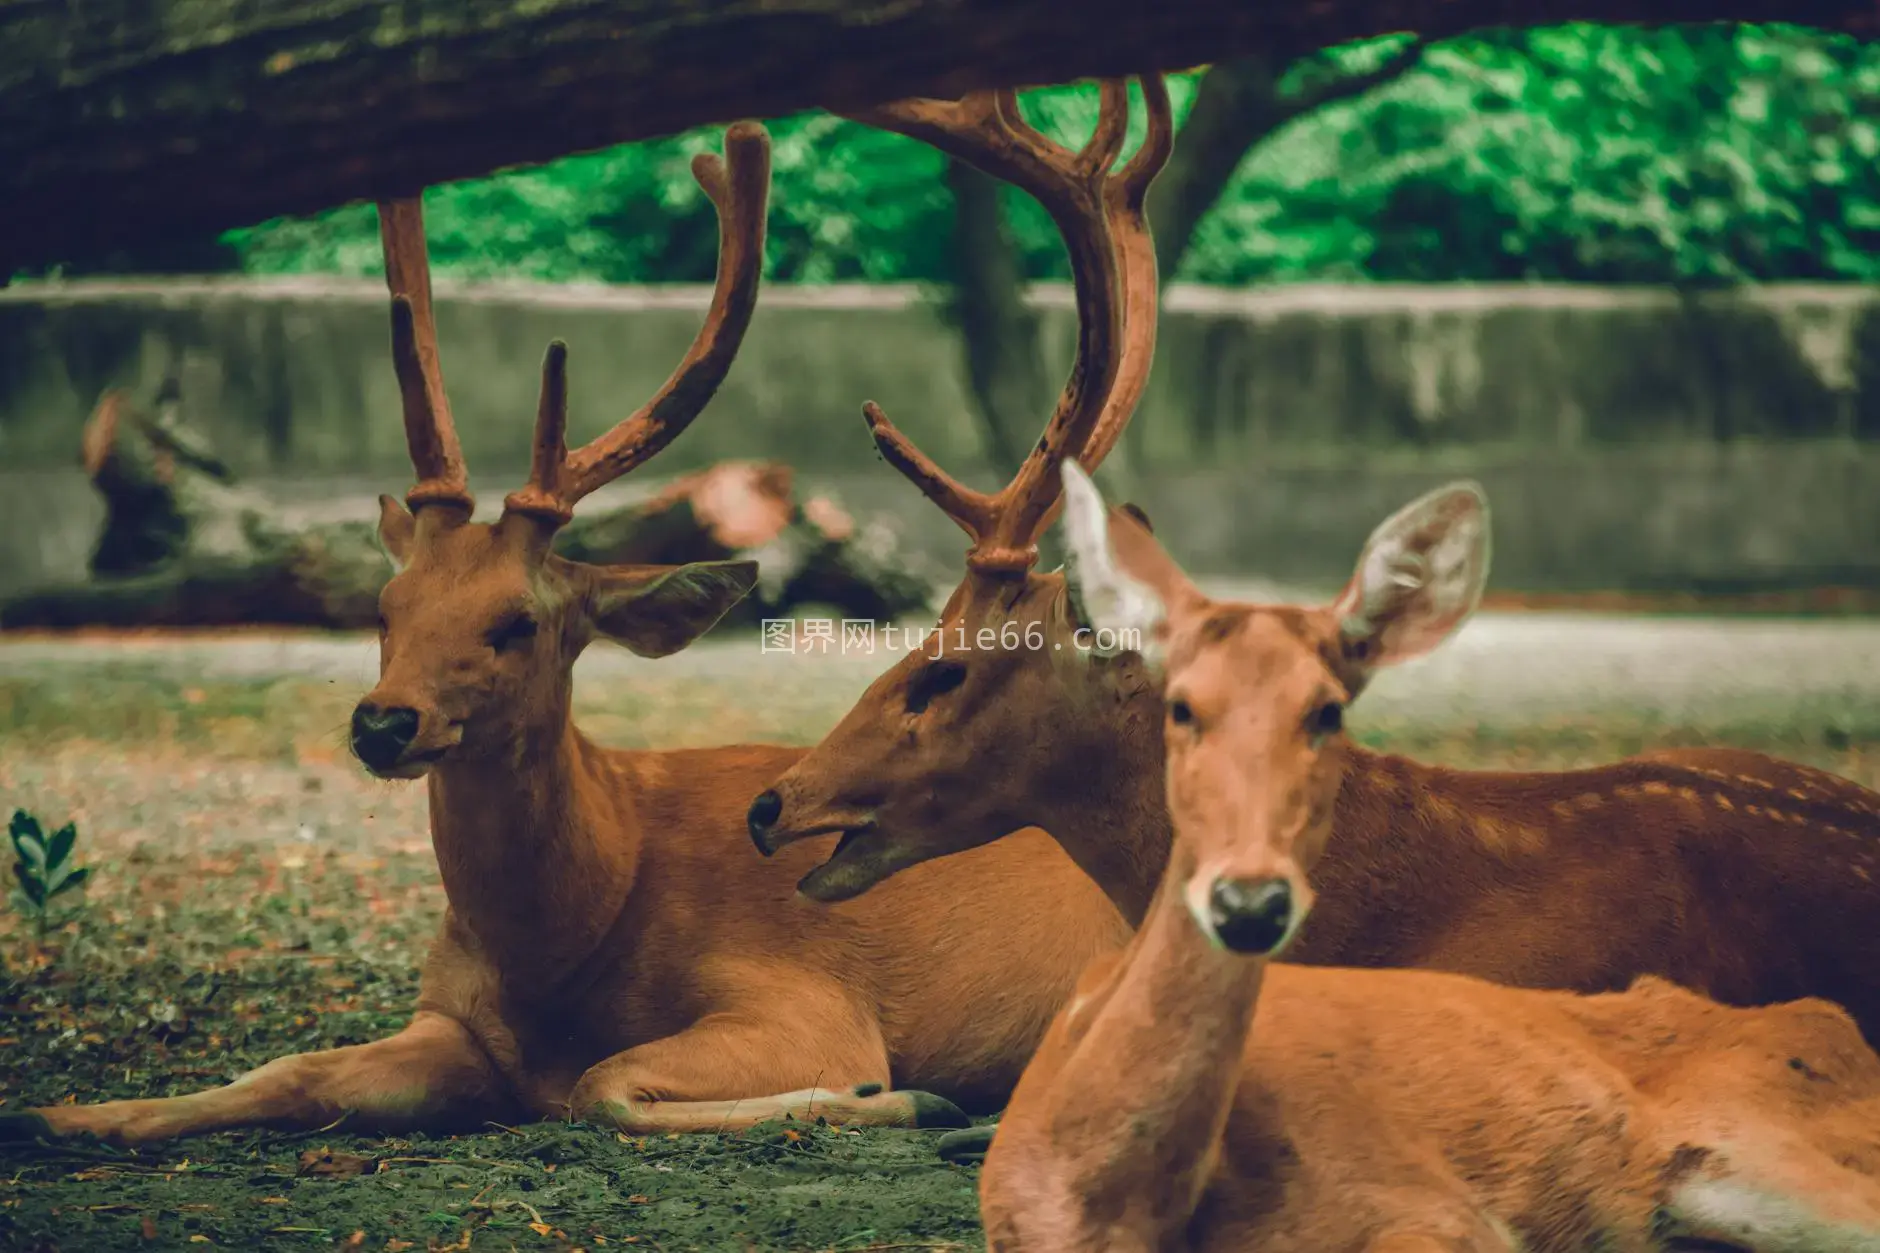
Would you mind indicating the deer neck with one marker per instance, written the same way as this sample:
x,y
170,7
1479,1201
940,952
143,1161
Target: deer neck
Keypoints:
x,y
1106,805
1164,1040
537,850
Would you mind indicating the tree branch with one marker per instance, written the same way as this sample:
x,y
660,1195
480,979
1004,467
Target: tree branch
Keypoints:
x,y
1238,106
124,122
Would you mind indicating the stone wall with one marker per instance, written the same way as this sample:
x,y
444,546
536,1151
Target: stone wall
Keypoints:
x,y
1626,438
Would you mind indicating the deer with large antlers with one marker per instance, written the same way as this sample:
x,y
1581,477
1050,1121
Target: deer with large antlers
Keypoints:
x,y
1195,1095
1729,872
610,949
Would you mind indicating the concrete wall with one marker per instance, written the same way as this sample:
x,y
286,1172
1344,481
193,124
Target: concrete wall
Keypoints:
x,y
1625,437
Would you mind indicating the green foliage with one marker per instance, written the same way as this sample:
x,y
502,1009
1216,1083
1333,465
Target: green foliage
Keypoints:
x,y
1681,154
1581,153
43,870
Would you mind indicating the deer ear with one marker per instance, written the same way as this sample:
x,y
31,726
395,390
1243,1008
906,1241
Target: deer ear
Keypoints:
x,y
397,531
657,611
1420,577
1136,511
1121,584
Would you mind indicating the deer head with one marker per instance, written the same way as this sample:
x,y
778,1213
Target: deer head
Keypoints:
x,y
905,775
1254,697
480,627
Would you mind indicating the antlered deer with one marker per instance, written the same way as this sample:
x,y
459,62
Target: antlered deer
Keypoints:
x,y
611,949
1192,1096
1747,878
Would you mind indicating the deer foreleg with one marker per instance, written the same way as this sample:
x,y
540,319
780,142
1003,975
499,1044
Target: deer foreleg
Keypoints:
x,y
430,1075
728,1072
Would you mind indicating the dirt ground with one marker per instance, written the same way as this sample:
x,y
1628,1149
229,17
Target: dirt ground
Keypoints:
x,y
254,893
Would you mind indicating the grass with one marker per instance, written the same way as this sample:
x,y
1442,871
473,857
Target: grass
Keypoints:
x,y
254,894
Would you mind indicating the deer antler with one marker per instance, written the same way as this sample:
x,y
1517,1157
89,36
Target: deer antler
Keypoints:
x,y
429,432
1126,197
1101,218
739,187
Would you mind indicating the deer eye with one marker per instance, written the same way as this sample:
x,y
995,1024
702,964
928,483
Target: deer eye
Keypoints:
x,y
1181,713
936,680
513,632
1327,719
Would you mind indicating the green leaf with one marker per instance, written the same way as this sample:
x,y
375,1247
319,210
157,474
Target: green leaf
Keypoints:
x,y
31,856
30,884
26,832
69,879
61,845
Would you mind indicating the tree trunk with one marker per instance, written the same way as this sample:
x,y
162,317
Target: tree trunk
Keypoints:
x,y
183,546
128,121
998,332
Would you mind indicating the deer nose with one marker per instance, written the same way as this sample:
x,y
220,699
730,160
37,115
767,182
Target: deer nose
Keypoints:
x,y
1251,916
381,736
761,817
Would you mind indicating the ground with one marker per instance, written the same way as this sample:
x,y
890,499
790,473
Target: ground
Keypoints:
x,y
253,894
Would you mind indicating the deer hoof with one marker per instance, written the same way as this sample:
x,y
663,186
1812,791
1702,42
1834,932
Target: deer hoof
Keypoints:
x,y
967,1146
21,1127
937,1111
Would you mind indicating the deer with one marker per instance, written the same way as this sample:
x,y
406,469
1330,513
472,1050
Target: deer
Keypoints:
x,y
610,952
1729,872
1199,1092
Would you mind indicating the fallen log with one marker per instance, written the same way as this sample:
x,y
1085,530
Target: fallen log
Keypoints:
x,y
184,544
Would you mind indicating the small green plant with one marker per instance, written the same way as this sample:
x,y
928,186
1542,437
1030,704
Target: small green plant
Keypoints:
x,y
44,869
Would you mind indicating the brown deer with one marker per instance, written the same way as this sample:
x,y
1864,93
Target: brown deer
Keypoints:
x,y
1196,1095
611,950
1747,878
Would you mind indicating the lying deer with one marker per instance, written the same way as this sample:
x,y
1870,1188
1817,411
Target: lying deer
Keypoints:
x,y
610,949
1747,878
1194,1095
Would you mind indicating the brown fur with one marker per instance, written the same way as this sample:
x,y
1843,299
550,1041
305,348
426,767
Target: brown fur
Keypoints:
x,y
611,949
1192,1097
1735,874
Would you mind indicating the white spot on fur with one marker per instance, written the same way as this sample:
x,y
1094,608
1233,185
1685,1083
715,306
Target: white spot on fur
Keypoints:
x,y
1195,896
1728,1210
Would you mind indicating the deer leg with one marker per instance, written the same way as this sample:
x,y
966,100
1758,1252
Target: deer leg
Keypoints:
x,y
730,1071
430,1073
968,1145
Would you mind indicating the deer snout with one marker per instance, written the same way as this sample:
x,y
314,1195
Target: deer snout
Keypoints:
x,y
381,736
761,817
1251,916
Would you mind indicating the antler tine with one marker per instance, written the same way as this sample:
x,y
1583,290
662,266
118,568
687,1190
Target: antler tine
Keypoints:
x,y
1126,197
970,509
987,130
551,424
738,186
1026,502
430,434
1106,141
